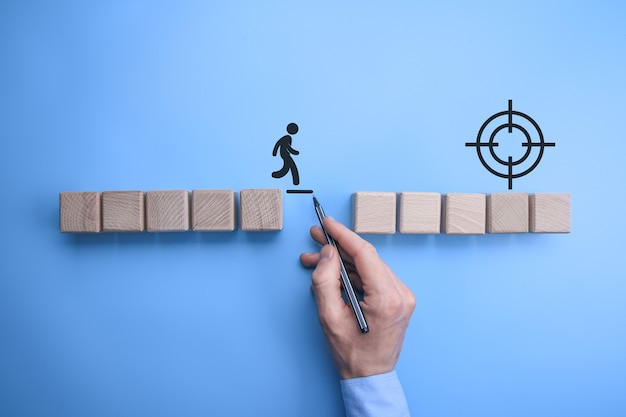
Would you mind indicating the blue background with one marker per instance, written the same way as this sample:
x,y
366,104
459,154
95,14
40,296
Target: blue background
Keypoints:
x,y
147,95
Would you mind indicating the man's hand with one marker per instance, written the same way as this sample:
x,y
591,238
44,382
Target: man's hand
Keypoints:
x,y
387,303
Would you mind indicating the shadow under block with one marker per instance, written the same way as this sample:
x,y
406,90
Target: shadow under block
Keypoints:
x,y
464,214
213,211
374,212
123,211
79,212
419,213
261,209
507,213
167,211
550,213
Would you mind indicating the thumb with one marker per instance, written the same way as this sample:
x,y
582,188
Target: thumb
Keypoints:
x,y
327,285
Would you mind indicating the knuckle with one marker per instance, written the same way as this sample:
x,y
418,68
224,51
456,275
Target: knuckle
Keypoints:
x,y
316,276
411,301
400,305
364,251
320,275
367,249
395,304
390,307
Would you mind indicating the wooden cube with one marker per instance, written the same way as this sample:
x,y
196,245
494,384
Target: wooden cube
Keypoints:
x,y
550,213
261,209
79,212
374,212
507,213
213,210
123,211
464,214
419,213
167,211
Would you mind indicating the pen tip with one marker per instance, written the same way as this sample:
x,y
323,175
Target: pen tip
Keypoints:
x,y
315,201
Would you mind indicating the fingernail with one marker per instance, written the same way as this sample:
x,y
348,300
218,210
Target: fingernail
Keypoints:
x,y
326,254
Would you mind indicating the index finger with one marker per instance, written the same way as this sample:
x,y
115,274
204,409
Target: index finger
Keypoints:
x,y
373,271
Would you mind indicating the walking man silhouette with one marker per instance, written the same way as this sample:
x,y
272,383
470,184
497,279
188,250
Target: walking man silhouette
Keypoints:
x,y
284,144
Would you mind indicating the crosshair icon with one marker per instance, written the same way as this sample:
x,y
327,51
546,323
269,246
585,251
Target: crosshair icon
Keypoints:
x,y
529,144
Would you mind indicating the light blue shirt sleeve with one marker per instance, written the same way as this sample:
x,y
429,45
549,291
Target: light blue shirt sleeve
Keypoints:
x,y
374,396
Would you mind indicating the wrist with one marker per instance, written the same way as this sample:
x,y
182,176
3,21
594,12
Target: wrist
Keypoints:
x,y
363,372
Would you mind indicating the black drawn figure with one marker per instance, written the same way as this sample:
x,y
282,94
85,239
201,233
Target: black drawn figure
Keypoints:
x,y
284,144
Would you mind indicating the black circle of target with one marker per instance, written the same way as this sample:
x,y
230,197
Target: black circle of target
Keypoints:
x,y
479,144
491,144
528,141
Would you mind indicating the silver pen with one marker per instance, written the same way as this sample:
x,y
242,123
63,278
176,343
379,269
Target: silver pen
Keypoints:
x,y
346,285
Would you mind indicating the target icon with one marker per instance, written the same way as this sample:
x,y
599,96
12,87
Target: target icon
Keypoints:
x,y
515,123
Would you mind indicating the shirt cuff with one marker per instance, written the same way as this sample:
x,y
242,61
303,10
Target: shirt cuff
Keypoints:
x,y
376,395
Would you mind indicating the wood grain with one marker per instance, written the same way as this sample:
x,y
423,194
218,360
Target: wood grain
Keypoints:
x,y
213,210
79,212
550,213
261,209
419,213
374,212
507,213
123,211
167,211
464,214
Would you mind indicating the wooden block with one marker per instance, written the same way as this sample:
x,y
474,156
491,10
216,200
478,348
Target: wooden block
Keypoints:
x,y
261,209
464,214
550,213
79,212
213,210
167,211
507,213
420,213
123,211
374,212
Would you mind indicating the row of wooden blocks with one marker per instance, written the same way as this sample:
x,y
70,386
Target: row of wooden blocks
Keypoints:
x,y
170,211
461,214
261,210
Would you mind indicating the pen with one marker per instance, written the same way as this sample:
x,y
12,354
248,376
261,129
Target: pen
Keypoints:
x,y
346,285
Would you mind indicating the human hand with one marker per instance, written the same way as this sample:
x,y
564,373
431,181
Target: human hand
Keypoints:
x,y
387,303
